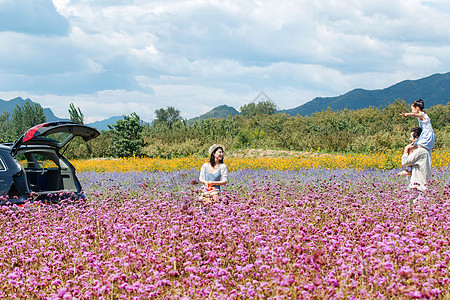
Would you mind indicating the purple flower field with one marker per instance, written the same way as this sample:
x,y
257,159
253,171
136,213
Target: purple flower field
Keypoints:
x,y
324,234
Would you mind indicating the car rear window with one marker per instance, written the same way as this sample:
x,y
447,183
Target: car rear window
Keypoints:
x,y
59,136
36,161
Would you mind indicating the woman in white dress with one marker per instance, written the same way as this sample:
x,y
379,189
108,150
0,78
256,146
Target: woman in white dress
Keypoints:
x,y
214,174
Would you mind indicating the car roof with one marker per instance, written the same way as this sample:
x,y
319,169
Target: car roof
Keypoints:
x,y
5,147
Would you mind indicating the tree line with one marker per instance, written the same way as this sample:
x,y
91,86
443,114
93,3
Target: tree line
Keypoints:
x,y
23,117
258,126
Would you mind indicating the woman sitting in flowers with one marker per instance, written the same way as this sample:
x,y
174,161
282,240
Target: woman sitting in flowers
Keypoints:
x,y
214,173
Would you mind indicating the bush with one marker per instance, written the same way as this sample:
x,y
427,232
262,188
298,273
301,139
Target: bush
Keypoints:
x,y
249,137
127,136
362,144
442,138
363,130
156,148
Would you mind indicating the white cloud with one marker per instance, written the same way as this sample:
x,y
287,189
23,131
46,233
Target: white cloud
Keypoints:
x,y
115,57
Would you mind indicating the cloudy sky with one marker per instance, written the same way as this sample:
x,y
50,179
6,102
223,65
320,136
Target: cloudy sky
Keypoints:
x,y
115,57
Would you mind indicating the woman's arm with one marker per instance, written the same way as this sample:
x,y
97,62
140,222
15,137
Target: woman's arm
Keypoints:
x,y
201,177
210,183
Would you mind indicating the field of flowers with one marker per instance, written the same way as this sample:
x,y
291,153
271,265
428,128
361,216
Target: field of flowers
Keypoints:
x,y
276,234
385,160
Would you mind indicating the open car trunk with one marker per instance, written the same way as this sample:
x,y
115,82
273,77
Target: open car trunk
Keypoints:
x,y
35,167
47,172
54,134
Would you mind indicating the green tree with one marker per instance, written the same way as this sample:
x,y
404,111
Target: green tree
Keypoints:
x,y
127,136
76,116
248,110
167,117
5,127
26,116
275,126
261,108
440,115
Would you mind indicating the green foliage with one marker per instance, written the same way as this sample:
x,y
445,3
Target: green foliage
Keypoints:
x,y
439,115
212,128
5,128
249,137
362,130
166,118
127,136
23,118
78,148
184,140
172,150
392,160
26,116
76,116
98,147
443,137
359,131
261,108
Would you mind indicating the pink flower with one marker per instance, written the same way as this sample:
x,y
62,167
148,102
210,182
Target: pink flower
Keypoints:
x,y
62,291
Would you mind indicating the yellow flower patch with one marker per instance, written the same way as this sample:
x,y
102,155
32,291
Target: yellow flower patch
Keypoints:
x,y
385,160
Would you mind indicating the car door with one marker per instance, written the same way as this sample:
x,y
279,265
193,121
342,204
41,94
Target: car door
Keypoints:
x,y
54,134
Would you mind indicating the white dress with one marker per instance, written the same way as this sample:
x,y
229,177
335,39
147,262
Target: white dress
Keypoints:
x,y
426,138
220,175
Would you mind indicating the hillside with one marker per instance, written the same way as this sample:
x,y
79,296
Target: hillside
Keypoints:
x,y
434,89
9,107
103,125
222,111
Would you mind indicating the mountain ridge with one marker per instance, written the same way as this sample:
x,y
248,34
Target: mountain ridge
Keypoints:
x,y
434,89
9,105
221,111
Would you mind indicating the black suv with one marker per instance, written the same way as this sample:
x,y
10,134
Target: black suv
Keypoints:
x,y
32,168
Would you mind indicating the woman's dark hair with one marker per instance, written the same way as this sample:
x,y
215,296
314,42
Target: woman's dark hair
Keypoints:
x,y
419,103
416,131
212,159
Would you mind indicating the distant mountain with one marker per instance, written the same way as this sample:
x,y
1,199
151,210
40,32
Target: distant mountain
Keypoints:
x,y
50,117
103,125
222,111
434,89
11,104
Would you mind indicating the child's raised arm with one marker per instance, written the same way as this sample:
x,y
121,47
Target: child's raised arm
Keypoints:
x,y
415,115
